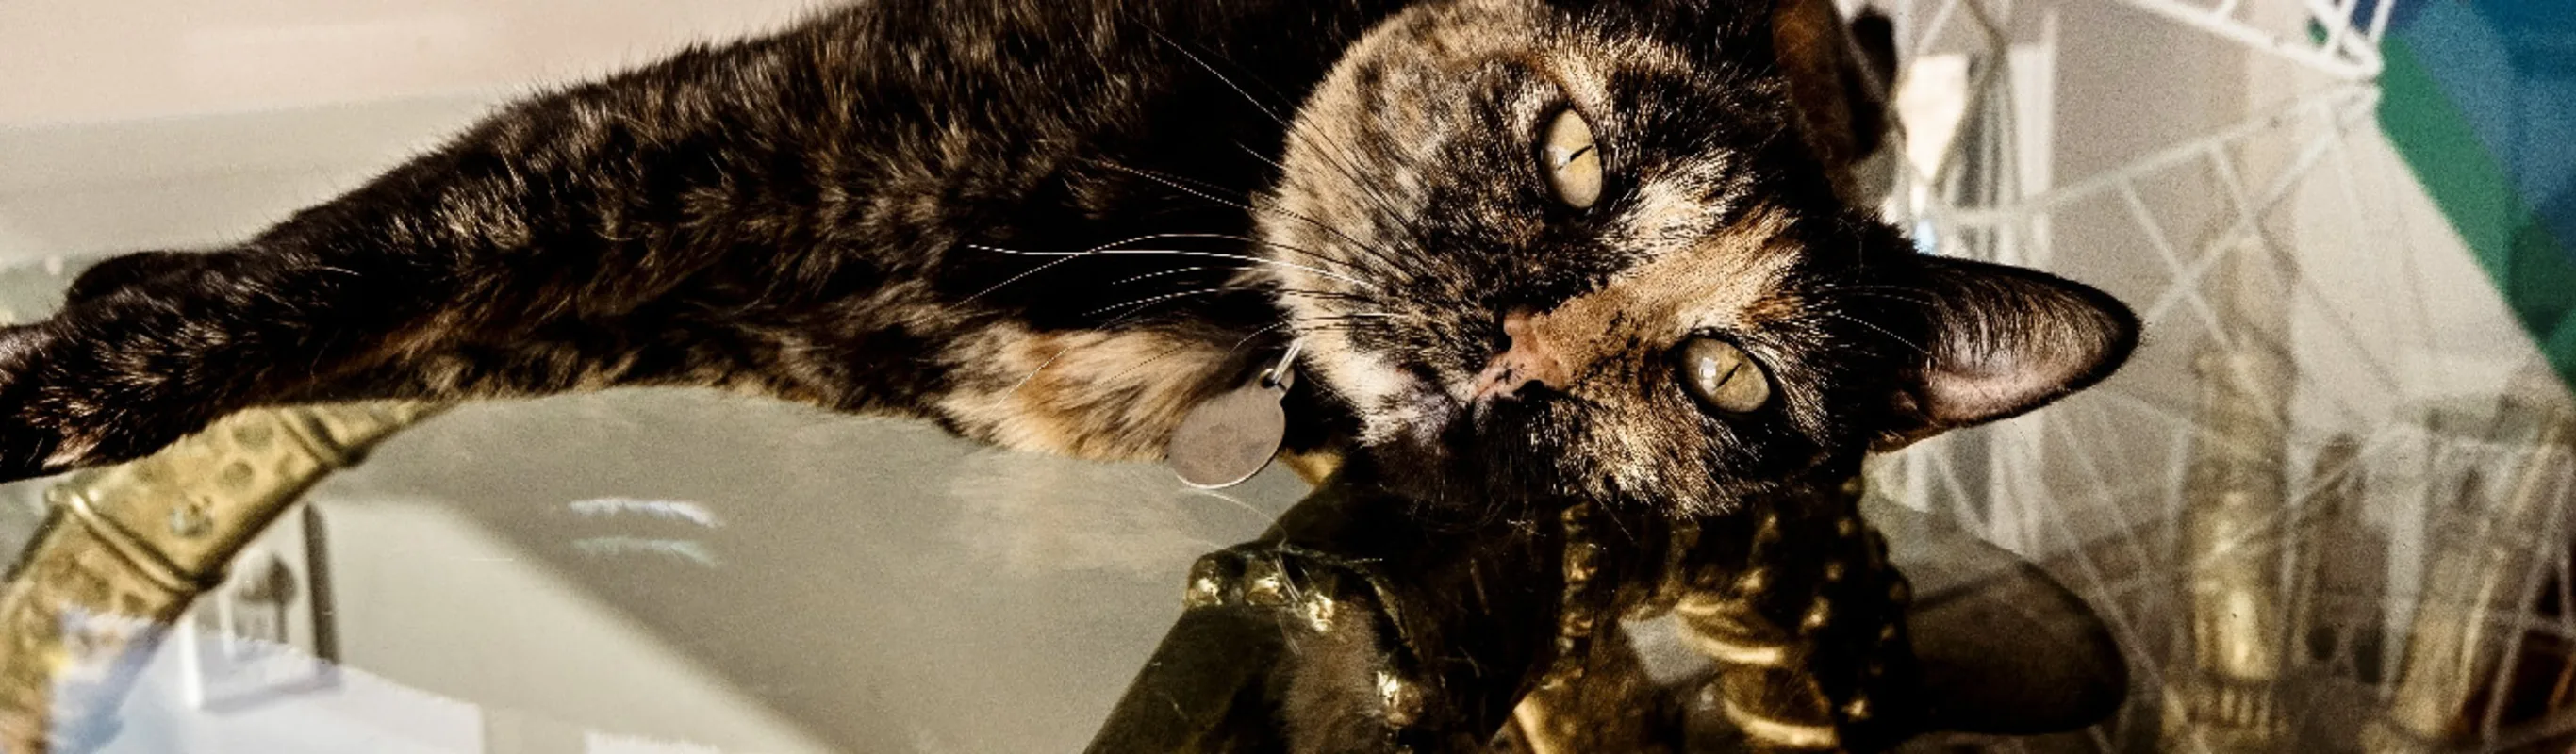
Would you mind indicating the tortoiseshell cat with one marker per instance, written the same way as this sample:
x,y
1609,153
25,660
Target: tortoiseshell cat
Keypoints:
x,y
1529,247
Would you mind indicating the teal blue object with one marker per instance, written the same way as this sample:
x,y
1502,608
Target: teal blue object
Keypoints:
x,y
2480,98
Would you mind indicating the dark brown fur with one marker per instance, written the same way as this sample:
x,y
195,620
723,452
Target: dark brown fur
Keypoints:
x,y
1056,226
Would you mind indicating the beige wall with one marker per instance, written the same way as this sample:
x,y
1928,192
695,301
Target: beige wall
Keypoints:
x,y
99,60
129,124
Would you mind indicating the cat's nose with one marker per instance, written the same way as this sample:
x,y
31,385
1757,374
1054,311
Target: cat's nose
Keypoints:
x,y
1527,358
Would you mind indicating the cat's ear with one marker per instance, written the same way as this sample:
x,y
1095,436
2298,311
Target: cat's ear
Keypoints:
x,y
2003,341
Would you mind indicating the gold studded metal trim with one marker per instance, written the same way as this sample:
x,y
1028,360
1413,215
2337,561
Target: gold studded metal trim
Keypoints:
x,y
1778,733
128,547
1734,653
140,559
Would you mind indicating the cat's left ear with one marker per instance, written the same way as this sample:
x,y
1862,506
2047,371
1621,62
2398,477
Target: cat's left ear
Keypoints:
x,y
2004,341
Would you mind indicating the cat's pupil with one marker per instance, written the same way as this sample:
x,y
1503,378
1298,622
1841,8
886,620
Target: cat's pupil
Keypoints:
x,y
1723,376
1573,166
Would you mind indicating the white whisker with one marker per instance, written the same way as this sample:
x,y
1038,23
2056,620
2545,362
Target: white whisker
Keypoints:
x,y
1174,183
1152,275
1033,372
1918,347
1150,300
1067,258
1177,253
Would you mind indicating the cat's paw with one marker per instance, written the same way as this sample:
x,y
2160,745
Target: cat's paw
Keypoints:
x,y
53,417
31,443
119,273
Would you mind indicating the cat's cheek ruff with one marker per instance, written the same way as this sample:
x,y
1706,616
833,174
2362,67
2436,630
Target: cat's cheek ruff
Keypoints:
x,y
1364,379
1087,394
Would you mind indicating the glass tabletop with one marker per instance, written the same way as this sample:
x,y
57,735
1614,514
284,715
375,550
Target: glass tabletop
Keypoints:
x,y
661,568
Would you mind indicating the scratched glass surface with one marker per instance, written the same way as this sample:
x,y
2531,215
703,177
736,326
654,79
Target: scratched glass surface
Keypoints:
x,y
2322,510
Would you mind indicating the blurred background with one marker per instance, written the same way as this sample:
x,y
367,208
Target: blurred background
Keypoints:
x,y
2323,510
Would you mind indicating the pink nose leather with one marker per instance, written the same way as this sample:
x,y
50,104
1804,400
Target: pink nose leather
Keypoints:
x,y
1528,359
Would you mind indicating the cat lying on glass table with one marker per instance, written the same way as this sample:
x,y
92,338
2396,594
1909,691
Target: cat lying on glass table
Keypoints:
x,y
1617,253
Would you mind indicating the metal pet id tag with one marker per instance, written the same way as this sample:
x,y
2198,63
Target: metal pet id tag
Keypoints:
x,y
1227,439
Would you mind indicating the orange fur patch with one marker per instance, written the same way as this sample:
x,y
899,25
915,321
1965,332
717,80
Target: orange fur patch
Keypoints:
x,y
1103,395
1721,281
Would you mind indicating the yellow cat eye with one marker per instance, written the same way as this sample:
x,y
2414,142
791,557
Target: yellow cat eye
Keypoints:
x,y
1571,161
1723,376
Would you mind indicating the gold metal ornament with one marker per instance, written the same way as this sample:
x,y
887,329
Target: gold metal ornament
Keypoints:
x,y
127,548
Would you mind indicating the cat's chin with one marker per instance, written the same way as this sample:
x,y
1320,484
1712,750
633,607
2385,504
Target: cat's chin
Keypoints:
x,y
1422,443
1425,428
1441,451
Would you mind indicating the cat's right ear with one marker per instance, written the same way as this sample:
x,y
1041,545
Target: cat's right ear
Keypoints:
x,y
2003,341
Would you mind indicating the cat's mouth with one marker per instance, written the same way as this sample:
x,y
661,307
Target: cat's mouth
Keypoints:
x,y
1455,436
1423,412
1422,426
1443,410
1437,401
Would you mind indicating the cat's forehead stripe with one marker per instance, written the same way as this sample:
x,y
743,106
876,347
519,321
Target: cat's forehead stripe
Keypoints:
x,y
1720,281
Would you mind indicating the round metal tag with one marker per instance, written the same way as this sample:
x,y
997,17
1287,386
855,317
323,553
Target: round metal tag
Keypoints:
x,y
1228,438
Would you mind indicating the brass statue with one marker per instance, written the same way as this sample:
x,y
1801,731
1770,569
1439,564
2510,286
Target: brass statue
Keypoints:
x,y
1507,636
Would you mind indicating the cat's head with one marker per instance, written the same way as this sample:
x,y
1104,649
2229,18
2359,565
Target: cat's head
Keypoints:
x,y
1581,248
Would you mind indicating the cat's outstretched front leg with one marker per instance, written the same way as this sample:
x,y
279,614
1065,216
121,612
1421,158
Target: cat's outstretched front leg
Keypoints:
x,y
149,350
659,228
